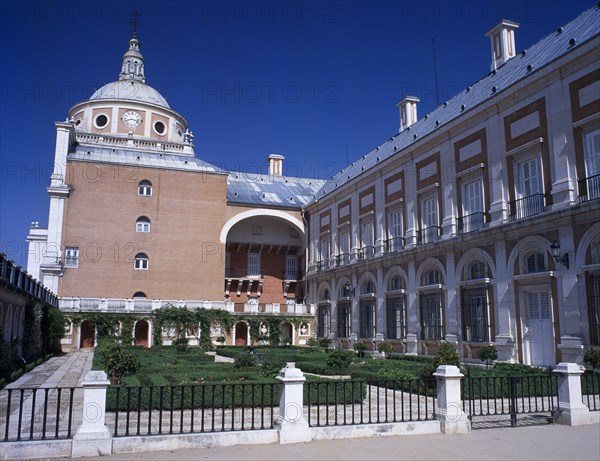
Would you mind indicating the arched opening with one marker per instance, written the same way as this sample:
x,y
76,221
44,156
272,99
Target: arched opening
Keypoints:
x,y
87,334
141,333
287,333
241,334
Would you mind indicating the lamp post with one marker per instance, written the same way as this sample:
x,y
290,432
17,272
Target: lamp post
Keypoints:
x,y
555,250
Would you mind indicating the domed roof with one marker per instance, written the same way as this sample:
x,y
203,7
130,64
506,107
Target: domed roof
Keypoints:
x,y
131,90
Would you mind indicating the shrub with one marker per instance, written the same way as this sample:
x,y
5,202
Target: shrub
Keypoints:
x,y
117,362
386,348
221,340
313,343
339,360
592,358
487,354
446,355
360,348
271,366
245,360
181,344
324,343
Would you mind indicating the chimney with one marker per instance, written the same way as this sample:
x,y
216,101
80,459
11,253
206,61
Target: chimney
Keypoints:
x,y
502,38
408,111
275,164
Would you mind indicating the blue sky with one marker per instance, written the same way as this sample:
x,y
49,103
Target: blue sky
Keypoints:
x,y
314,81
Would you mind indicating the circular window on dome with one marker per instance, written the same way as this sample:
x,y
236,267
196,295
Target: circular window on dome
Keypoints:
x,y
160,127
101,121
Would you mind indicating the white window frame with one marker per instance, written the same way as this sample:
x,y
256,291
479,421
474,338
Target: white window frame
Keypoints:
x,y
526,186
291,267
142,225
72,257
254,264
591,148
473,197
141,263
145,188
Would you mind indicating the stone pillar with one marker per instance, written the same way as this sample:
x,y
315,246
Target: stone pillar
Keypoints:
x,y
291,424
93,438
572,411
449,405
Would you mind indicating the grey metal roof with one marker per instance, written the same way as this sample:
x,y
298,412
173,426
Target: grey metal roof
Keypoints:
x,y
271,191
550,48
131,91
140,158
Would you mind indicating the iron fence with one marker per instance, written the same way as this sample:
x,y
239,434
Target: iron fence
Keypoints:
x,y
37,413
354,402
180,409
510,396
590,390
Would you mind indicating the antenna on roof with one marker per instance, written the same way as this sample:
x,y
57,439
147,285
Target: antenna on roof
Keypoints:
x,y
437,85
134,22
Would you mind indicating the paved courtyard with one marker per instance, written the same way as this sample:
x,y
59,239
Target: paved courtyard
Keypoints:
x,y
549,442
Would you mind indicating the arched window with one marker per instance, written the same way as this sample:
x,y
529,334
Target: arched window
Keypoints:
x,y
396,283
367,288
476,270
325,295
141,262
142,224
145,188
139,294
534,261
432,277
345,291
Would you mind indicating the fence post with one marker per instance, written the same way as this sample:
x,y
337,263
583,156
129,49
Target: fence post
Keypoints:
x,y
572,411
93,437
291,424
453,420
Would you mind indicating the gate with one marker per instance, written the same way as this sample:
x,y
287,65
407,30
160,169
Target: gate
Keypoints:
x,y
500,400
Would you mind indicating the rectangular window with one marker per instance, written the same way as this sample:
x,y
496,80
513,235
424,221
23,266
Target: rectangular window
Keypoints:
x,y
529,189
343,319
142,226
394,230
253,264
429,231
291,265
476,325
431,316
344,248
71,257
530,178
539,306
473,216
591,145
367,239
323,322
366,319
395,318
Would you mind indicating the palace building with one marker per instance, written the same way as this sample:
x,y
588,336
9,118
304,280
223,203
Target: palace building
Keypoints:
x,y
478,224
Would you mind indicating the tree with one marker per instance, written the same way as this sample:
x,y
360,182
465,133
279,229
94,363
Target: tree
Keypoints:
x,y
339,360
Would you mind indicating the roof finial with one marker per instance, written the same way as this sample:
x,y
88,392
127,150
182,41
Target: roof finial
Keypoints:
x,y
134,22
133,61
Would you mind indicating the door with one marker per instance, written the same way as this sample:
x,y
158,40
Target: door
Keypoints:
x,y
241,334
539,332
87,334
141,333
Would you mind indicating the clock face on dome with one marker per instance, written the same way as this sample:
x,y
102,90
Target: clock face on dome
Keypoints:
x,y
132,119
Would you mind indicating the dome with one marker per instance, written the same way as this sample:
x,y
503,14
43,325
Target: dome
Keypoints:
x,y
130,90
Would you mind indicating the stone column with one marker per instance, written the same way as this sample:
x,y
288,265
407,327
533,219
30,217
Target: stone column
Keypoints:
x,y
291,424
572,411
93,438
449,405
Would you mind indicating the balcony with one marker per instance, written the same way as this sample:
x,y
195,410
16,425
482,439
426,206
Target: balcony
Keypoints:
x,y
527,206
366,252
471,222
146,306
428,235
394,244
343,259
589,188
